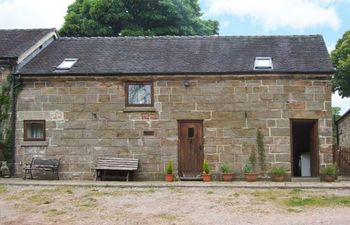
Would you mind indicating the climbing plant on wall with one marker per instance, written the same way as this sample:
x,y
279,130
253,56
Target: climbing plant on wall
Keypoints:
x,y
6,132
261,151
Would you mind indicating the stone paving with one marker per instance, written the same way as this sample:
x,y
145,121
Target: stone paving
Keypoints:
x,y
185,184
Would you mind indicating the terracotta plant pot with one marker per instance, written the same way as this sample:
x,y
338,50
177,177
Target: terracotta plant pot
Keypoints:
x,y
251,177
278,178
328,178
206,177
169,177
227,177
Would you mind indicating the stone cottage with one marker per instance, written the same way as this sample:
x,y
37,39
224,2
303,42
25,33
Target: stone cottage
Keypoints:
x,y
176,98
343,130
17,47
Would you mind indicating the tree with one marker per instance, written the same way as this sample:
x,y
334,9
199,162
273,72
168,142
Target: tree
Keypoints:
x,y
341,60
136,18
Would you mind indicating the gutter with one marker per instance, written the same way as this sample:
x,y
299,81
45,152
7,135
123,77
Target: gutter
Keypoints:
x,y
327,73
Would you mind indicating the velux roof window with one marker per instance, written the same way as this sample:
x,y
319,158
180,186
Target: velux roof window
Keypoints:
x,y
67,64
263,63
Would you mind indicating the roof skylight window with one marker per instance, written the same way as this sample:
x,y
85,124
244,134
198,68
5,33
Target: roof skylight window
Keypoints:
x,y
67,64
263,63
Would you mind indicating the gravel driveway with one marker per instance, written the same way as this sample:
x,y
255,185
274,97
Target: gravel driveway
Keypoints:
x,y
83,205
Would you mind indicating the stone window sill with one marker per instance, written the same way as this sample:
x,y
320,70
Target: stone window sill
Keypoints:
x,y
139,109
34,143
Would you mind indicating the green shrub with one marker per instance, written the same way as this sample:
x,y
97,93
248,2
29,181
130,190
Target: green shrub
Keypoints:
x,y
225,168
278,171
329,170
206,168
248,168
169,167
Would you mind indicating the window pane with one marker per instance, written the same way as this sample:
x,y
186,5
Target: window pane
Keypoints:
x,y
190,132
36,131
139,94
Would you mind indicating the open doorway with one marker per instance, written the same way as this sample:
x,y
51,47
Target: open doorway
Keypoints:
x,y
304,141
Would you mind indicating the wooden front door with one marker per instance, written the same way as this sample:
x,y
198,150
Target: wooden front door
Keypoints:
x,y
191,153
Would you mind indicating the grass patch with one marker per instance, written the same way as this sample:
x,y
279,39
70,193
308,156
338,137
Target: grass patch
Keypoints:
x,y
295,191
19,195
318,201
40,199
175,190
63,190
151,191
210,192
58,190
13,197
54,212
266,195
96,193
2,189
86,203
294,210
168,217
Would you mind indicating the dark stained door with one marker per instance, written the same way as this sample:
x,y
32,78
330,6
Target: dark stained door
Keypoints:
x,y
190,148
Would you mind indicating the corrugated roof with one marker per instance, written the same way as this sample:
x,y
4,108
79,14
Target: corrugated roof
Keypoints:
x,y
15,42
183,55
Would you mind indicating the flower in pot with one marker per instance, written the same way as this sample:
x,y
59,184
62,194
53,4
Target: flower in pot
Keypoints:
x,y
278,173
169,176
206,171
226,174
249,173
329,172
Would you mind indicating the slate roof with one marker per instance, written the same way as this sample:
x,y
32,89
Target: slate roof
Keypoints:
x,y
183,55
343,117
13,43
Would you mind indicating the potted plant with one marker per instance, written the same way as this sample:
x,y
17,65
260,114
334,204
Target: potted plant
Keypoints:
x,y
169,176
329,172
249,168
249,173
278,173
206,171
226,174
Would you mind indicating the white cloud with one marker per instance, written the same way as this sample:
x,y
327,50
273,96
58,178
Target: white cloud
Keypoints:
x,y
32,13
275,14
343,103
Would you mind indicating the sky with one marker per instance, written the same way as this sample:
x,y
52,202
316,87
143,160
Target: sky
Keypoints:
x,y
330,18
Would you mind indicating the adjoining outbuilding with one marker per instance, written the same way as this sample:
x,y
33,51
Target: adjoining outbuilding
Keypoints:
x,y
17,47
343,130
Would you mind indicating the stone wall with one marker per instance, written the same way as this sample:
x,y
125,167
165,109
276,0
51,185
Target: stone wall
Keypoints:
x,y
86,118
344,131
4,73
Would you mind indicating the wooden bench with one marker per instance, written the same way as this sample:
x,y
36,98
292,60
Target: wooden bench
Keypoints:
x,y
43,165
105,164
